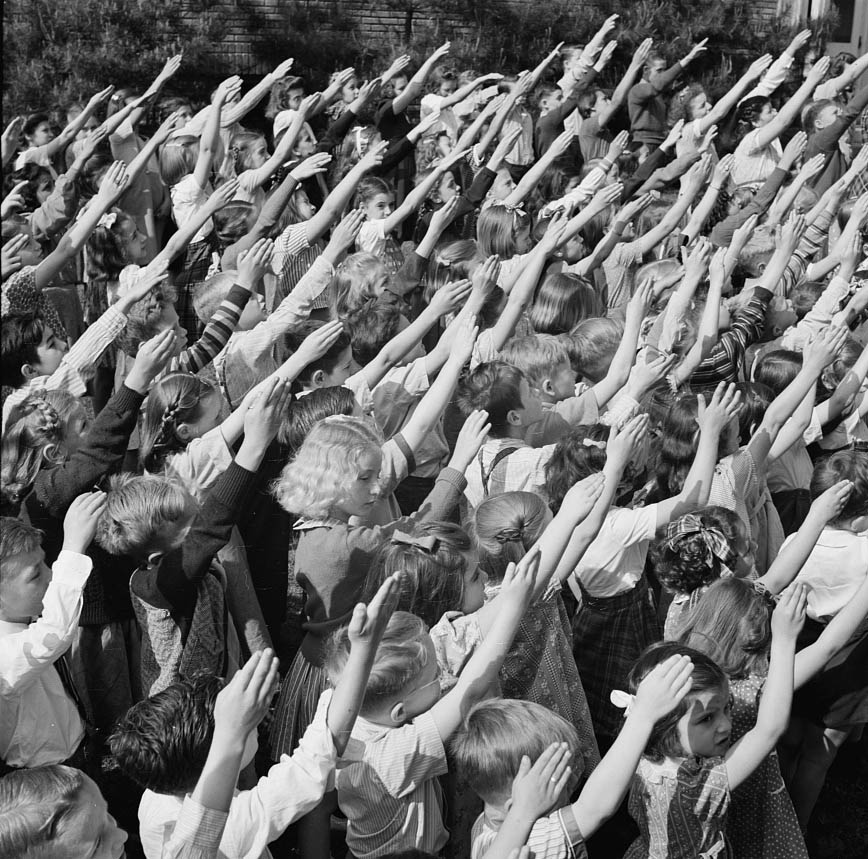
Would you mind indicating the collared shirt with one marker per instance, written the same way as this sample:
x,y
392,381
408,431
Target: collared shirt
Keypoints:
x,y
835,570
39,722
388,788
291,789
548,839
197,833
522,470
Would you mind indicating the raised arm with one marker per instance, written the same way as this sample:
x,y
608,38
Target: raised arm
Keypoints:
x,y
530,179
788,113
619,96
725,104
414,87
50,149
237,111
210,139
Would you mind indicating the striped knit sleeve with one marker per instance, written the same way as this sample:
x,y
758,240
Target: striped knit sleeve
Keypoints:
x,y
217,332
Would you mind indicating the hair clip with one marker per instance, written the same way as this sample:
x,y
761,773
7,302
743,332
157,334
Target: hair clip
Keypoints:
x,y
622,700
592,442
427,544
446,263
214,268
107,220
508,535
357,131
770,598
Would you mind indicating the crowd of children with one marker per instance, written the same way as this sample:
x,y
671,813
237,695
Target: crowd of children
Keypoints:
x,y
447,466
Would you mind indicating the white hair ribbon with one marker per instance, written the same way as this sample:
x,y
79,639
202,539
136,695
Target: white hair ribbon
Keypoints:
x,y
592,442
107,220
622,700
214,268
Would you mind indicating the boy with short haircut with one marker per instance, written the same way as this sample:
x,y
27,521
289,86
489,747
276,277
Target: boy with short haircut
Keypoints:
x,y
387,780
163,744
40,717
499,738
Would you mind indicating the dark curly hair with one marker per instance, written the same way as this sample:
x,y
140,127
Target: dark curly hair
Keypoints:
x,y
683,567
573,460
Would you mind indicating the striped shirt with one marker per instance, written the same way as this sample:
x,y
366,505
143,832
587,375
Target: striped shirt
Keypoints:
x,y
387,787
549,838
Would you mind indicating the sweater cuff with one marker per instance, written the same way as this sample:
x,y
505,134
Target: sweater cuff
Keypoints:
x,y
455,477
126,399
234,483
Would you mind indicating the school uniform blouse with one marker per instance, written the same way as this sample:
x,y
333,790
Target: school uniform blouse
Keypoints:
x,y
753,164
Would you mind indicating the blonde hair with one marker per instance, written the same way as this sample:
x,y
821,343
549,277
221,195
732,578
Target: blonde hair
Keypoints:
x,y
210,293
359,279
241,146
326,463
536,355
138,509
562,301
401,657
177,159
496,734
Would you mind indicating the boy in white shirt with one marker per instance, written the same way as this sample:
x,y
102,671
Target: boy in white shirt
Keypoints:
x,y
40,721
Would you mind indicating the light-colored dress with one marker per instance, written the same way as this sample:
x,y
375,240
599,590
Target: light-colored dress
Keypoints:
x,y
762,823
680,805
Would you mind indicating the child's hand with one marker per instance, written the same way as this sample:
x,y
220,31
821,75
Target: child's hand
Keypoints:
x,y
634,208
758,67
79,524
374,156
788,618
113,184
554,235
485,277
151,360
224,195
243,702
342,78
451,160
154,273
398,65
795,148
426,124
99,98
831,503
622,442
605,55
643,377
560,144
663,688
717,271
283,69
639,304
605,197
823,350
228,90
93,139
695,51
697,174
367,91
344,235
311,166
440,52
505,145
368,623
721,411
170,67
818,70
799,41
443,217
11,261
641,55
674,135
266,413
170,123
255,263
521,580
697,261
860,162
491,77
537,789
450,297
741,235
792,231
465,340
470,439
721,170
319,341
812,167
14,200
12,138
583,496
617,146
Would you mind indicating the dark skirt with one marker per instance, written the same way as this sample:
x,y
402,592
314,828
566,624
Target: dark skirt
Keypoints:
x,y
296,707
609,634
197,261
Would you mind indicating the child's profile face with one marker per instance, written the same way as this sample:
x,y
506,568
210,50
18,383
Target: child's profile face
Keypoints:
x,y
602,102
475,580
44,187
379,207
294,98
50,351
23,585
562,382
343,368
502,186
257,155
447,87
207,416
705,729
826,116
89,830
303,206
531,411
350,91
574,249
363,491
253,313
523,239
699,106
31,253
399,84
305,145
77,424
134,242
766,115
40,135
550,101
447,189
444,146
169,320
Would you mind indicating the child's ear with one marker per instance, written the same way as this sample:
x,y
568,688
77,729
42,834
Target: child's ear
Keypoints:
x,y
398,714
513,417
317,379
28,371
183,432
154,560
761,268
859,525
547,387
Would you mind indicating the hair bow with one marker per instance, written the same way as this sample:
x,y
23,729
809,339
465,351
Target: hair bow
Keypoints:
x,y
427,544
592,442
508,535
771,599
214,268
107,220
716,545
622,700
515,210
